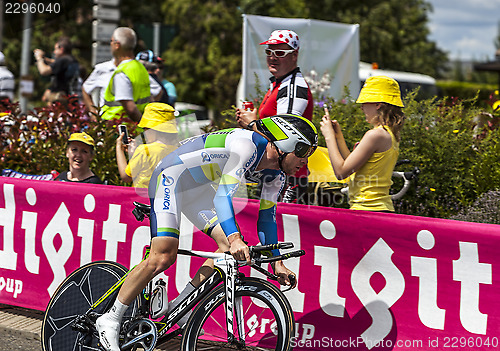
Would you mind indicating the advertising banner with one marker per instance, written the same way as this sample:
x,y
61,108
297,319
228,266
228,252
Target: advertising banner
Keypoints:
x,y
368,281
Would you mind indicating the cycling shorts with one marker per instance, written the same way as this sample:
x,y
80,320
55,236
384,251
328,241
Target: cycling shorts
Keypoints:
x,y
173,191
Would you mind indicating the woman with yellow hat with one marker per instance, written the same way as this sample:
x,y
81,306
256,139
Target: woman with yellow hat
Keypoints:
x,y
160,132
371,163
80,152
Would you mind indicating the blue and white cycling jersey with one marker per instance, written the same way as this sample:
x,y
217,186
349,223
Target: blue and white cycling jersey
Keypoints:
x,y
184,182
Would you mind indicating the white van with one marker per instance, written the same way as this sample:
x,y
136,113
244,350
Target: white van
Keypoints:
x,y
408,81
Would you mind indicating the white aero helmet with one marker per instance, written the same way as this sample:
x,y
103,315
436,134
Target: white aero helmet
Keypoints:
x,y
290,133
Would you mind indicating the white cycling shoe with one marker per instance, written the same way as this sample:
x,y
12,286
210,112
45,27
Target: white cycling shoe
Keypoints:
x,y
109,331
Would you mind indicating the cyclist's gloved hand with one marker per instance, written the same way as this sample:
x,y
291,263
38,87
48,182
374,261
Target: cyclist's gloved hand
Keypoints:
x,y
284,274
238,248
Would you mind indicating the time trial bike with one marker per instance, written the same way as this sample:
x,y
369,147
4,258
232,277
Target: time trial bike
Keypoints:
x,y
231,310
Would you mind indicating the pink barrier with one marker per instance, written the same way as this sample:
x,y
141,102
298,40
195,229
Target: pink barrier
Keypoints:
x,y
369,281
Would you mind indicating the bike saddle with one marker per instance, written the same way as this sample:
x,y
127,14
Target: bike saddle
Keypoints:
x,y
141,210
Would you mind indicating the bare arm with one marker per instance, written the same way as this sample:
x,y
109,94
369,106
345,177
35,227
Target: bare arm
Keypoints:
x,y
345,166
131,109
43,68
42,63
244,117
339,136
89,104
121,160
283,273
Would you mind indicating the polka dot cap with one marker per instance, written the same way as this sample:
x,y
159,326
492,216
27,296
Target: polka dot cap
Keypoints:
x,y
283,36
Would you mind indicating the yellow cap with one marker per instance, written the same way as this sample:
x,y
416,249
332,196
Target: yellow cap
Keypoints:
x,y
160,117
82,137
496,105
380,89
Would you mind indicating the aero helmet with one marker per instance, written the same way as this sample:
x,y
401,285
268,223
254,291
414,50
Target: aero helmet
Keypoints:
x,y
290,133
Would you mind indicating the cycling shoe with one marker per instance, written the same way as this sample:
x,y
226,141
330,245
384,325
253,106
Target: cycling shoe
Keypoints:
x,y
108,331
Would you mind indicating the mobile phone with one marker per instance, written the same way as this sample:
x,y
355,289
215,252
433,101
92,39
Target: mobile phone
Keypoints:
x,y
122,128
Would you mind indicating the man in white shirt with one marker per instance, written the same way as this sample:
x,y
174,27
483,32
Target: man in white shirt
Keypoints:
x,y
95,85
6,81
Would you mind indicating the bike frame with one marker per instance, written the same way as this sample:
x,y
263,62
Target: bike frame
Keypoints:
x,y
225,270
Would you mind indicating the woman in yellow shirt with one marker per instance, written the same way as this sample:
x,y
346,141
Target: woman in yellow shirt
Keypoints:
x,y
371,163
160,132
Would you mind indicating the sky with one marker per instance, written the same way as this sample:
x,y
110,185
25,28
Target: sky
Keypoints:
x,y
466,29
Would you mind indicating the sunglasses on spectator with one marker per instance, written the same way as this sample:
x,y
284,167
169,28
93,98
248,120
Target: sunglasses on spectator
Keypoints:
x,y
278,53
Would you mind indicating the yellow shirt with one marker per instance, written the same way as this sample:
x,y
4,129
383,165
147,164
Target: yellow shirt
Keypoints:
x,y
144,161
369,186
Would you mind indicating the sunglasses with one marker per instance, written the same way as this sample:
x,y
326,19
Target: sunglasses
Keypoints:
x,y
303,150
278,53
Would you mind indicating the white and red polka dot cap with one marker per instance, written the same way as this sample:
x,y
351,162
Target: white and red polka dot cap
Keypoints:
x,y
283,36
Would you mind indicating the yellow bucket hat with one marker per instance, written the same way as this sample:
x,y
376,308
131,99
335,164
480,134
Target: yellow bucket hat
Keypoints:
x,y
380,89
160,117
496,105
83,138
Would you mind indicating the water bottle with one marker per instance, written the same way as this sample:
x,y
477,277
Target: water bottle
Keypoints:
x,y
159,300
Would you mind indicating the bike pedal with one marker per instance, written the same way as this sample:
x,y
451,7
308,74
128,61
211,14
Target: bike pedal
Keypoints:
x,y
80,328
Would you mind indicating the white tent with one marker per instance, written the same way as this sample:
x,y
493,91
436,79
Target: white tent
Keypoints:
x,y
328,55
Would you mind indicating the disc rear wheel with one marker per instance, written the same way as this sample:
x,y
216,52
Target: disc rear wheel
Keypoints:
x,y
72,299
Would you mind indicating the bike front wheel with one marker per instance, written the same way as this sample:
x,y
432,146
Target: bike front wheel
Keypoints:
x,y
263,320
73,298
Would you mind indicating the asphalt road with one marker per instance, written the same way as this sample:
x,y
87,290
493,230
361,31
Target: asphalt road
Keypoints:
x,y
20,330
11,340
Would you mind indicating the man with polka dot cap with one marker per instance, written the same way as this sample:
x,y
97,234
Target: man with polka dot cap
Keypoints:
x,y
287,94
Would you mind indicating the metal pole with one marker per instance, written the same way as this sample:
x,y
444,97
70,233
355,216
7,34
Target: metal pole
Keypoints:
x,y
1,25
156,38
25,56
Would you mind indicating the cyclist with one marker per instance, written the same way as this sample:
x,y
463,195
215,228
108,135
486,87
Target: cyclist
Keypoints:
x,y
182,182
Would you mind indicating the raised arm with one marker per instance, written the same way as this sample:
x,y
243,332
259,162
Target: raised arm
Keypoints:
x,y
344,166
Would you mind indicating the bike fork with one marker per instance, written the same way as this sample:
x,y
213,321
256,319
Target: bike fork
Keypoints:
x,y
234,307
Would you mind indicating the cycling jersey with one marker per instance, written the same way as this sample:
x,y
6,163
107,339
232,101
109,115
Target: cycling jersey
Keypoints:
x,y
183,182
288,94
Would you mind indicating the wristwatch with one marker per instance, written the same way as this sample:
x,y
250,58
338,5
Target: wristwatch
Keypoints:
x,y
250,125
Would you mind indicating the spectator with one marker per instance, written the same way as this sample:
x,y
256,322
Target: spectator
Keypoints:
x,y
151,62
288,94
95,85
80,152
63,69
6,81
169,86
128,91
160,134
374,158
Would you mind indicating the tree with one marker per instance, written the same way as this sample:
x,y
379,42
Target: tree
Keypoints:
x,y
72,19
393,33
205,57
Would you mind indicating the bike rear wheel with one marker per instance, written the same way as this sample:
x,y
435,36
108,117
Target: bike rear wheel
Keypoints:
x,y
266,318
74,296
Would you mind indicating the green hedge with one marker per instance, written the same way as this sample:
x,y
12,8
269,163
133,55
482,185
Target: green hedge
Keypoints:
x,y
35,143
458,162
484,93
